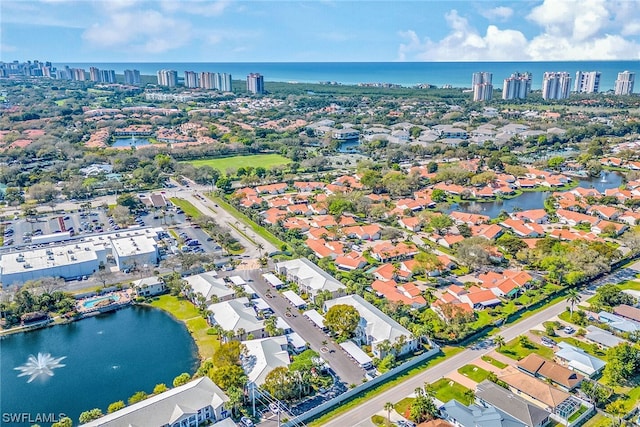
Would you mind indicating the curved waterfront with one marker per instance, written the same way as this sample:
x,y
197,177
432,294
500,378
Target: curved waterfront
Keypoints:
x,y
107,358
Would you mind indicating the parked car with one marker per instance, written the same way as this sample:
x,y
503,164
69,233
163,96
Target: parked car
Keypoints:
x,y
246,422
569,330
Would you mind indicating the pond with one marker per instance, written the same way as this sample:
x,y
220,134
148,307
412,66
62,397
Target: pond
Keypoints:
x,y
130,142
534,199
92,363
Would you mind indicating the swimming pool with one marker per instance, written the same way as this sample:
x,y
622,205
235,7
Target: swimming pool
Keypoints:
x,y
92,302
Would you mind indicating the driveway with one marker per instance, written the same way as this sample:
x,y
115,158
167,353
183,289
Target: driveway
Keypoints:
x,y
345,367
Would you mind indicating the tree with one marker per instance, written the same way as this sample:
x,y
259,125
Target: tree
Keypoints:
x,y
64,422
236,398
160,388
499,340
228,354
623,363
438,195
90,415
228,376
342,320
472,252
279,383
388,407
610,295
573,298
43,192
181,379
130,201
423,408
511,244
115,406
138,396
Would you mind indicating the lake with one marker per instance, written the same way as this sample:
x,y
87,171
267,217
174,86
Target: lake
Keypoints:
x,y
107,358
130,142
534,199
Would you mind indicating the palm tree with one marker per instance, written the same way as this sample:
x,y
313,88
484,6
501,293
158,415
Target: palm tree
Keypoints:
x,y
573,298
260,247
499,340
388,407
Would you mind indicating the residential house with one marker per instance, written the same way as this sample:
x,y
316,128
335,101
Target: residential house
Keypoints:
x,y
239,316
149,286
208,286
523,229
351,261
277,188
198,402
388,251
468,218
363,232
628,312
617,323
559,375
605,212
263,356
538,216
407,293
490,394
477,415
310,278
376,328
411,223
600,337
479,299
579,360
574,218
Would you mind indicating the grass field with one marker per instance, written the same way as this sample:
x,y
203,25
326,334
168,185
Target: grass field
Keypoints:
x,y
187,313
187,207
235,162
446,389
494,362
404,405
474,373
515,350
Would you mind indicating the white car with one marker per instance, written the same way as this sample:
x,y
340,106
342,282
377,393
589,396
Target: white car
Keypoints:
x,y
246,422
274,407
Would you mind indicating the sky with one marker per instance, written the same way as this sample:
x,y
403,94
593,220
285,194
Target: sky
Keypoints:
x,y
318,30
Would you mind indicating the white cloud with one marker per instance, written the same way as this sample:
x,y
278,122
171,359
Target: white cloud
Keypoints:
x,y
501,13
7,48
196,7
567,30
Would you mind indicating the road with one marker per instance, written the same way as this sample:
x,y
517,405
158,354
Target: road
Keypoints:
x,y
361,414
348,371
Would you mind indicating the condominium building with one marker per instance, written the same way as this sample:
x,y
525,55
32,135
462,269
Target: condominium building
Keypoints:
x,y
78,74
255,83
482,86
215,81
624,83
587,82
167,78
190,79
556,85
224,83
107,76
517,86
132,77
94,74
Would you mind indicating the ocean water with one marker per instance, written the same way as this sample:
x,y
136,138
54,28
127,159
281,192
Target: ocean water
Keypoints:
x,y
457,74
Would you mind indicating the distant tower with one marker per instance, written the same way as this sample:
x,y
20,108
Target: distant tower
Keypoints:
x,y
255,83
191,79
482,86
624,83
556,85
168,78
78,74
517,86
587,82
108,76
132,77
94,74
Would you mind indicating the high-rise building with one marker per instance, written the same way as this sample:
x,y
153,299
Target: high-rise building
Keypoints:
x,y
225,83
587,82
78,74
517,86
482,86
94,74
108,76
556,85
624,83
207,80
167,78
132,77
191,79
255,83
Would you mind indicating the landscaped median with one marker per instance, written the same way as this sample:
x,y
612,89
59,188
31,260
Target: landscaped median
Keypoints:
x,y
258,229
188,208
184,311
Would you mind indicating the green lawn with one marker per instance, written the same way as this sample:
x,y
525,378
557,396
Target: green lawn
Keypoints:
x,y
445,353
446,389
235,162
404,405
630,285
187,207
498,364
598,420
474,373
186,312
515,350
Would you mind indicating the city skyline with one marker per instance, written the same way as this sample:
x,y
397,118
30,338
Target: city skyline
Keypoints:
x,y
306,31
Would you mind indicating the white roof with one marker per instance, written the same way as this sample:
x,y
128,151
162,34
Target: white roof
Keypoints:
x,y
602,337
294,298
356,352
236,314
272,279
134,245
263,356
237,280
149,281
167,407
310,275
207,285
578,359
315,317
44,258
378,325
296,340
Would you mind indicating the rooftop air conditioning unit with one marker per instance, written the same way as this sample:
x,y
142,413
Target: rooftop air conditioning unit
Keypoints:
x,y
27,265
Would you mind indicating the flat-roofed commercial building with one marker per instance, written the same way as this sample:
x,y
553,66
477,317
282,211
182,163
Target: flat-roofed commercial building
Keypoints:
x,y
67,261
132,251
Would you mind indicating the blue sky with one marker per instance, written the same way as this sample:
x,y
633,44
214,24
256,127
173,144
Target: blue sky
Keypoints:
x,y
318,30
